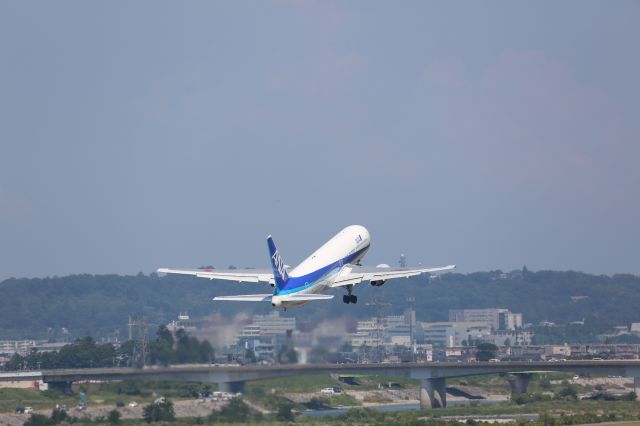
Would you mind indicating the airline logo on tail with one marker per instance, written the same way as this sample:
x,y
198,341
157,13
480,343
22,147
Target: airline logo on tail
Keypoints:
x,y
278,265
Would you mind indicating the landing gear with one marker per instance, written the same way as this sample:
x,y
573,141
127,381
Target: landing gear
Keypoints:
x,y
350,298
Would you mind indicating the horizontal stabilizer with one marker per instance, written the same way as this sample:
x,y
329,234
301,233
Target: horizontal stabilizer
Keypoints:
x,y
246,298
299,297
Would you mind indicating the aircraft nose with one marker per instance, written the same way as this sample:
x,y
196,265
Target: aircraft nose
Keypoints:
x,y
363,232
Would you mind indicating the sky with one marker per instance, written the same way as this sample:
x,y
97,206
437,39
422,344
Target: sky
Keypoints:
x,y
492,135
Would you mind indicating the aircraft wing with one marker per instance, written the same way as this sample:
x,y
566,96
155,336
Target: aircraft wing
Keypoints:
x,y
352,275
239,275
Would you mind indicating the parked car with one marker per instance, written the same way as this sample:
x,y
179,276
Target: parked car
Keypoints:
x,y
327,391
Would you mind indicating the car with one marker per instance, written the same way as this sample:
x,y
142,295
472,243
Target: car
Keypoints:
x,y
494,360
133,404
327,391
28,410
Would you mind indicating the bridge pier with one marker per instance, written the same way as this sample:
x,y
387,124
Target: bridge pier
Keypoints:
x,y
231,387
433,393
519,382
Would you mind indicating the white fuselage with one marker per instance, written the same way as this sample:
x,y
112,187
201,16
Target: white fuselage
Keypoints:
x,y
318,271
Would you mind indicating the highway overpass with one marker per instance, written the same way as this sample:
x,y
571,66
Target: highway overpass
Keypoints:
x,y
432,375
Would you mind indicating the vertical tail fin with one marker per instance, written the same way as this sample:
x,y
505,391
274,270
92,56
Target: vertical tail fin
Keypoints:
x,y
279,271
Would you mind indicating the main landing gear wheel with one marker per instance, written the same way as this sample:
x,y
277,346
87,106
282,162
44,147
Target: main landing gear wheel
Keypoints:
x,y
350,298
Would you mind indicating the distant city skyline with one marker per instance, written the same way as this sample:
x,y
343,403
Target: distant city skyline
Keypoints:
x,y
489,134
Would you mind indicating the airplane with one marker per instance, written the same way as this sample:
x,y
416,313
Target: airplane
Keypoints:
x,y
334,264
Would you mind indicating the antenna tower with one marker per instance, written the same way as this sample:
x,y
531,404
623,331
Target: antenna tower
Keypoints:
x,y
138,333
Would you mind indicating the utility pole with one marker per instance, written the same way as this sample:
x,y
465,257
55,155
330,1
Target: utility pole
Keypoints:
x,y
412,317
379,305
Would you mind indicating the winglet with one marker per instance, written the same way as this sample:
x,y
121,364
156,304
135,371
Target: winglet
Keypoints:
x,y
279,270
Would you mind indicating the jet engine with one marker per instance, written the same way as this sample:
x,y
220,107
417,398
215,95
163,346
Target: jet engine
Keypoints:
x,y
378,283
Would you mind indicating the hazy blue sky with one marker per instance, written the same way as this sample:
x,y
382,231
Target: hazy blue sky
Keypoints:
x,y
135,135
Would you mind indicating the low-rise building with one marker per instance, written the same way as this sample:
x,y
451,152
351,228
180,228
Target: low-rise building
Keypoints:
x,y
496,318
557,351
452,334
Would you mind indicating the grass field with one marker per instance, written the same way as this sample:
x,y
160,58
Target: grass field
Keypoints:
x,y
12,398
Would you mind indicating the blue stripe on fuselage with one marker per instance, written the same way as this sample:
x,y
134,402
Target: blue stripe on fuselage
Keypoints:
x,y
295,284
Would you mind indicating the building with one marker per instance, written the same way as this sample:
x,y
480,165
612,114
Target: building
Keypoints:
x,y
183,322
555,351
391,330
266,334
453,334
496,318
510,338
20,347
368,334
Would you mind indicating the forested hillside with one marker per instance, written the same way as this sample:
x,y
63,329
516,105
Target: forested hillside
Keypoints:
x,y
97,305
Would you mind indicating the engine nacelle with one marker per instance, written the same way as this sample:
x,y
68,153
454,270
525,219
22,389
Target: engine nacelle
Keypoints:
x,y
378,283
276,302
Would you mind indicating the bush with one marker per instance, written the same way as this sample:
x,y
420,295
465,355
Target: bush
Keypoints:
x,y
545,383
159,412
236,411
318,403
284,412
524,398
113,417
58,416
38,420
568,392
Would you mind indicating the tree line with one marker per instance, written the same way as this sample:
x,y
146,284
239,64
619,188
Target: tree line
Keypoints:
x,y
166,349
99,305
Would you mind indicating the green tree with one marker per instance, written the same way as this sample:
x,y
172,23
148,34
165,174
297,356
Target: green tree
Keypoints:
x,y
113,417
486,351
58,416
569,391
250,355
38,420
284,412
159,412
235,411
287,355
